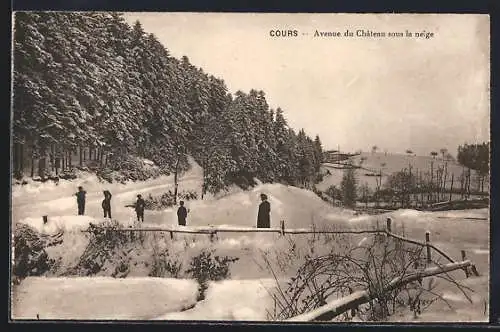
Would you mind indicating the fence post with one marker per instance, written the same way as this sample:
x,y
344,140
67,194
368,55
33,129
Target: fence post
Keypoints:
x,y
389,222
427,245
282,225
466,270
45,219
171,235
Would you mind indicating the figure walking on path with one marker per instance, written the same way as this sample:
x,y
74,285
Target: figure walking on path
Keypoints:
x,y
80,200
263,219
106,204
139,208
182,214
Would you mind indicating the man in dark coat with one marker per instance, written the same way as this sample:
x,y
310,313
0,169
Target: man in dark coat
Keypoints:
x,y
80,200
181,214
106,204
263,219
139,208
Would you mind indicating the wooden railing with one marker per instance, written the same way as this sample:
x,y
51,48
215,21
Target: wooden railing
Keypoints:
x,y
212,232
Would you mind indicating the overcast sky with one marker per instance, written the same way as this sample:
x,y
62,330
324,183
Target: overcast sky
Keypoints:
x,y
396,93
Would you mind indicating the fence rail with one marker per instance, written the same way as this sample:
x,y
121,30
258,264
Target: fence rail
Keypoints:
x,y
354,300
283,231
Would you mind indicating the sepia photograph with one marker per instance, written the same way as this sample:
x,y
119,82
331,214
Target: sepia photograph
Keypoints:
x,y
257,167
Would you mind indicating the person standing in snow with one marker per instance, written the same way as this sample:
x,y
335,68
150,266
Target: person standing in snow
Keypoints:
x,y
139,208
263,218
80,200
182,214
106,204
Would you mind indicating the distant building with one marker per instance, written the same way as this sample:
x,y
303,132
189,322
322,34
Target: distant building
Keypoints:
x,y
334,156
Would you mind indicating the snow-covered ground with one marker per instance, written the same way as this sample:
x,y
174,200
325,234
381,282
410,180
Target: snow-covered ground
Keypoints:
x,y
231,300
37,199
99,298
244,296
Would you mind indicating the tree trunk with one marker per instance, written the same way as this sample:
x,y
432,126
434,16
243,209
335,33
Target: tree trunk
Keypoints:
x,y
15,159
175,179
478,181
203,175
63,159
451,187
468,183
90,154
462,184
32,173
444,182
52,157
81,155
84,153
432,181
70,152
42,164
21,159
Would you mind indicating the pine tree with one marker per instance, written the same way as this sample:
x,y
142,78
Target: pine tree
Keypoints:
x,y
349,188
90,82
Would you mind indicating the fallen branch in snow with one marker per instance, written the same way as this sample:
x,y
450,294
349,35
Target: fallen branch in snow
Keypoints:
x,y
339,306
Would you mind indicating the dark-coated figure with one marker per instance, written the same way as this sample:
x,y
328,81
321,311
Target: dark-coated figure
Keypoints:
x,y
80,200
139,208
106,204
263,218
182,214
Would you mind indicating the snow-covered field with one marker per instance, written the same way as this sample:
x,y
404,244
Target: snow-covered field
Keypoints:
x,y
391,163
243,297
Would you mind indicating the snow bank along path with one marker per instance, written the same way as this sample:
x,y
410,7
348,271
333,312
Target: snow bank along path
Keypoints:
x,y
101,298
231,300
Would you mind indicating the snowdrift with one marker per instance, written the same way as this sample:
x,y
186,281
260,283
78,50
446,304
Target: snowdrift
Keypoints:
x,y
231,300
101,298
55,224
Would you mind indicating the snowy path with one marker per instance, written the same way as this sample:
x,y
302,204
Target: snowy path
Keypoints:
x,y
55,201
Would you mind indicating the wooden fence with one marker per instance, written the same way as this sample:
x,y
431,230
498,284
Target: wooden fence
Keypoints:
x,y
212,232
352,301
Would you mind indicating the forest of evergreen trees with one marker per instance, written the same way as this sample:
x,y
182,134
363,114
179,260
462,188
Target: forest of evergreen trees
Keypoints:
x,y
90,85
